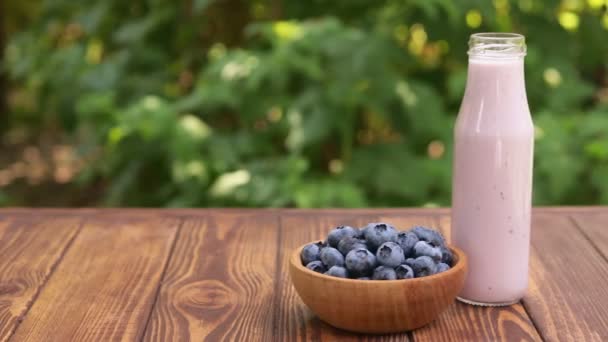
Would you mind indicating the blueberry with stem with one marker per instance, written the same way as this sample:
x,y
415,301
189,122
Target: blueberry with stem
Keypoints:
x,y
404,272
406,241
379,233
390,254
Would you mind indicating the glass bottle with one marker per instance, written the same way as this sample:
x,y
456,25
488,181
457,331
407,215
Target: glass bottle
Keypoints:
x,y
492,174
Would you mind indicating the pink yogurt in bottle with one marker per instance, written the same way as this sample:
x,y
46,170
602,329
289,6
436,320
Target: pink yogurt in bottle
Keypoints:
x,y
492,177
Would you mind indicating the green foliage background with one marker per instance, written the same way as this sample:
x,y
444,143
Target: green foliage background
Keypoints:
x,y
343,103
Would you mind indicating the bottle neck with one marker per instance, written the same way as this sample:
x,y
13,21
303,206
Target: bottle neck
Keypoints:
x,y
496,63
496,80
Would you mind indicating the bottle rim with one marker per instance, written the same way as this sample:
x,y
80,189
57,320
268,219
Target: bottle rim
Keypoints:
x,y
497,45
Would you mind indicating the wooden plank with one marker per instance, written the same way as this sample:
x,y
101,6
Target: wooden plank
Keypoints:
x,y
106,284
30,248
445,225
594,227
567,297
219,282
293,320
462,322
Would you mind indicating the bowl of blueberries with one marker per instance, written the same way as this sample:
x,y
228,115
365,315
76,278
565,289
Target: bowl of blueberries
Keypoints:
x,y
378,279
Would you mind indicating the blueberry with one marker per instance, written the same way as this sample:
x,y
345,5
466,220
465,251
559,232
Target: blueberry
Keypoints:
x,y
360,262
384,273
390,254
337,271
340,233
379,233
406,241
316,266
429,235
424,248
446,256
442,267
363,278
349,243
332,257
311,252
424,266
404,272
410,262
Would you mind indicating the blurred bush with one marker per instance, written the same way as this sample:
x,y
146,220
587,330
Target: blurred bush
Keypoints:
x,y
291,103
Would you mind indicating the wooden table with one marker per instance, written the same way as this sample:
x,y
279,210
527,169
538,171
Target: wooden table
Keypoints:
x,y
174,275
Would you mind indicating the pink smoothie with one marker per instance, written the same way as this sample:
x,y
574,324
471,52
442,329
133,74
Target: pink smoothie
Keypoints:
x,y
492,181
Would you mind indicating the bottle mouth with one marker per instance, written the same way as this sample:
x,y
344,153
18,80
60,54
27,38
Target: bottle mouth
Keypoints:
x,y
497,45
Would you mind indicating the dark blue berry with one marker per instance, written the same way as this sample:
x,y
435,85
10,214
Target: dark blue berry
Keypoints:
x,y
384,273
360,262
446,256
424,248
410,262
311,252
316,266
349,243
337,271
406,241
379,233
442,267
424,266
363,278
340,233
390,254
332,257
404,272
429,235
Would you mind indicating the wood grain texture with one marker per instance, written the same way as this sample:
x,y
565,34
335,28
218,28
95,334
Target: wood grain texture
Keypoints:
x,y
293,320
567,296
595,228
227,277
219,285
30,248
105,286
462,322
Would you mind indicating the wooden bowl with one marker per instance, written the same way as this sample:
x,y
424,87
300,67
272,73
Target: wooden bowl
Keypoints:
x,y
378,306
